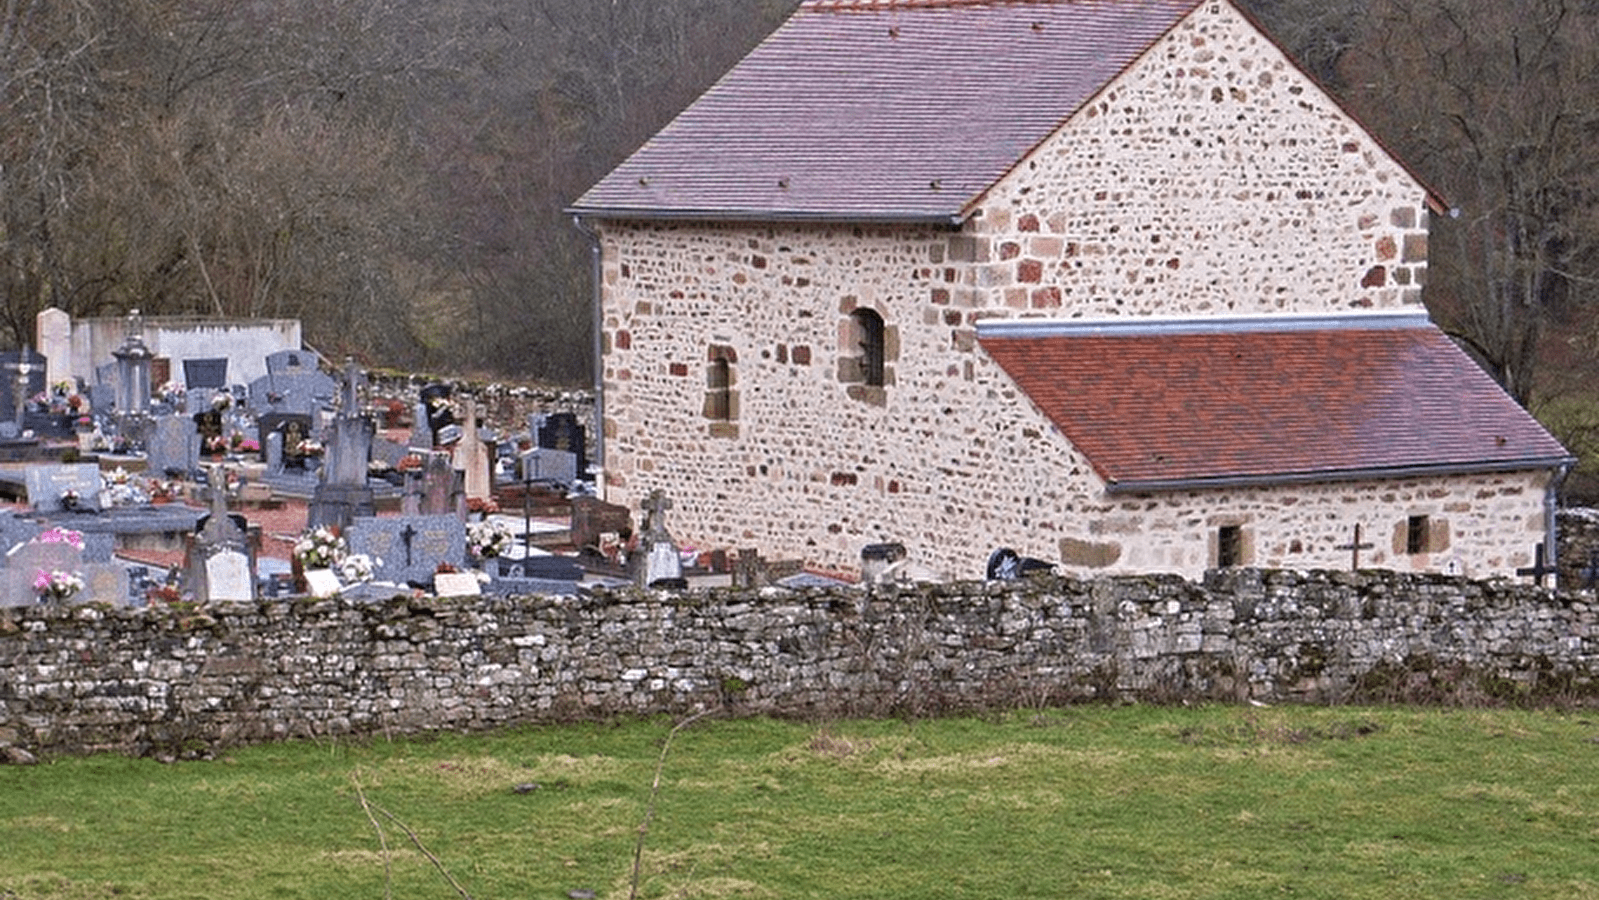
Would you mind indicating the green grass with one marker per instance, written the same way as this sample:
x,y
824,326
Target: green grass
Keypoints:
x,y
1084,802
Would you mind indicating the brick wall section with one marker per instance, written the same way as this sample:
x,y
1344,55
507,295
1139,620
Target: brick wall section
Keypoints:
x,y
1209,178
86,678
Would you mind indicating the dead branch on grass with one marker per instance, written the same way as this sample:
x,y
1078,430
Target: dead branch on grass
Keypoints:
x,y
415,840
655,792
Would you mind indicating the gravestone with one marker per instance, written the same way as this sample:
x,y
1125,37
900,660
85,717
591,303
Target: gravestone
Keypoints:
x,y
292,362
441,490
592,517
272,450
105,582
435,403
658,562
474,458
205,373
344,492
292,393
547,466
23,374
219,563
173,448
47,484
563,432
227,577
53,335
295,427
410,547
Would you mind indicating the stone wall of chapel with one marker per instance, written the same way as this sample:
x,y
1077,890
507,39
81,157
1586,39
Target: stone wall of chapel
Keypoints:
x,y
810,471
1481,526
1213,177
953,461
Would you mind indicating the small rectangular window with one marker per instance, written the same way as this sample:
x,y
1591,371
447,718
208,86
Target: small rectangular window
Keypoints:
x,y
1229,546
1417,531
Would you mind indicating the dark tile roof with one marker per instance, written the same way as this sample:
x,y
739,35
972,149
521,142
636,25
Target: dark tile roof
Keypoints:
x,y
1161,404
882,110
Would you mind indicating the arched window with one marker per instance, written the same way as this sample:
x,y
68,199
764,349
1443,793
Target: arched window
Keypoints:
x,y
721,396
869,342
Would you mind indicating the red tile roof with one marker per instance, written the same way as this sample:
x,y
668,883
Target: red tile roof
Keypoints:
x,y
882,110
1160,404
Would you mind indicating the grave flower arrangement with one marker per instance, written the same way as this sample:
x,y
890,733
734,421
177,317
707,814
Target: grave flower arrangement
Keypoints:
x,y
488,539
172,394
357,567
59,535
221,401
117,488
321,547
70,499
56,585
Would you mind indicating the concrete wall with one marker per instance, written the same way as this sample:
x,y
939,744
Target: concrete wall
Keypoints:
x,y
245,342
171,683
1210,178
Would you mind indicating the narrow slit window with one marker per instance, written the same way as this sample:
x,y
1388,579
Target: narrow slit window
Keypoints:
x,y
1417,532
1229,546
719,390
869,331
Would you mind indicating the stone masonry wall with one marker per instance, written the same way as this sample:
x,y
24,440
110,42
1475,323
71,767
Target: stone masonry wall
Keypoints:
x,y
1210,178
169,683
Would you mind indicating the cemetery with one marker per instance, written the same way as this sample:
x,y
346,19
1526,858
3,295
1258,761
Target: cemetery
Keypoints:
x,y
135,473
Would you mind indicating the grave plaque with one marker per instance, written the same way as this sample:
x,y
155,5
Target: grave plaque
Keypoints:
x,y
411,547
48,484
457,584
321,582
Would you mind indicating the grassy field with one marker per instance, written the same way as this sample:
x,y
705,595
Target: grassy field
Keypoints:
x,y
1083,802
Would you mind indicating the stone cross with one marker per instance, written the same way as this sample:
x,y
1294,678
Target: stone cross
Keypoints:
x,y
350,403
655,507
1354,547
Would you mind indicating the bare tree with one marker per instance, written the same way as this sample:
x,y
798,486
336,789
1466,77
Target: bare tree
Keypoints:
x,y
1494,102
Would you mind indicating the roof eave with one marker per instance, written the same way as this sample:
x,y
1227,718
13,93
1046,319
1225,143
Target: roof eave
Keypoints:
x,y
1275,479
619,213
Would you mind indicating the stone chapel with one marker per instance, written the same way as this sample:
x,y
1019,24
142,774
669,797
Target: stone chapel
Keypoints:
x,y
1111,283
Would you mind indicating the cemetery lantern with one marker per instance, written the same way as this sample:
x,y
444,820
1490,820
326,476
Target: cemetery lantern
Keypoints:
x,y
133,368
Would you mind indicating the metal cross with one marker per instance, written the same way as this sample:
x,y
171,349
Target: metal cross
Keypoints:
x,y
1354,547
1539,568
406,536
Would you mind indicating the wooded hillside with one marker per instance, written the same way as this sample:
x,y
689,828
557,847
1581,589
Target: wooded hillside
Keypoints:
x,y
394,173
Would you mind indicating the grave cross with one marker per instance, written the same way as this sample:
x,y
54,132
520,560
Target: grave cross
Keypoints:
x,y
655,507
1354,547
1539,567
407,536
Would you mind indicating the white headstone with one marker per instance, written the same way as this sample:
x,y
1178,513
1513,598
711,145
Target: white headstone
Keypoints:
x,y
53,336
227,577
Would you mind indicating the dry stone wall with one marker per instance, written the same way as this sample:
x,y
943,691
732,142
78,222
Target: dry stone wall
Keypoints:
x,y
173,683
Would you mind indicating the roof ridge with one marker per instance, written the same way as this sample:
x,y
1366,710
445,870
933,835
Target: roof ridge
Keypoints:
x,y
870,5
